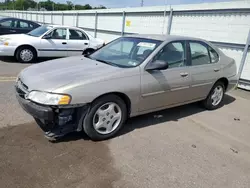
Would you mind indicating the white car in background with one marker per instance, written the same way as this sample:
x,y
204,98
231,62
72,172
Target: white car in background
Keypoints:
x,y
49,41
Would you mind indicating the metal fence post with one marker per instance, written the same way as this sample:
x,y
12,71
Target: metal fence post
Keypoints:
x,y
96,16
123,22
62,18
77,19
164,20
43,17
170,21
244,56
51,18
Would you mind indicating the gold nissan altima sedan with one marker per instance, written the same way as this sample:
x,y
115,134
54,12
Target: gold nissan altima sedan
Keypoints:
x,y
130,76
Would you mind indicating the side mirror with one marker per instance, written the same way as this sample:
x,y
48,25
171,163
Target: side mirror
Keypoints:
x,y
47,37
157,65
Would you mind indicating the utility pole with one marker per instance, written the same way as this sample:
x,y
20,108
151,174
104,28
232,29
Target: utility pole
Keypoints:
x,y
142,3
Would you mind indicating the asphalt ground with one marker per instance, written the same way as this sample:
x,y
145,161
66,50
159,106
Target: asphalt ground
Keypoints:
x,y
180,147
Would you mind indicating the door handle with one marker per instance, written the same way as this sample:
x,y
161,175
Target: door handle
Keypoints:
x,y
13,31
184,74
216,69
64,42
86,43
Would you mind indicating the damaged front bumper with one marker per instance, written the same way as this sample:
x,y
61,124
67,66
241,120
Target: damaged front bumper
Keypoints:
x,y
55,121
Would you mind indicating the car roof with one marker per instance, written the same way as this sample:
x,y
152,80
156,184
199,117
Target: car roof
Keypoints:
x,y
11,18
55,26
164,37
29,21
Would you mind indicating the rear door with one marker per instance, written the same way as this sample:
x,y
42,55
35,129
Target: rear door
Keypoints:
x,y
77,42
23,26
56,46
204,70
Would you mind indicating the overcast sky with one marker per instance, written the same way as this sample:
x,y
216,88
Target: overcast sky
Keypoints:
x,y
134,3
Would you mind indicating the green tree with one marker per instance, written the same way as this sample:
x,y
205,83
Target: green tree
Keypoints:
x,y
83,7
47,4
60,6
24,4
70,5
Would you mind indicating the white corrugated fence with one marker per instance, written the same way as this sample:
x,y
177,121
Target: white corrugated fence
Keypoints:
x,y
226,24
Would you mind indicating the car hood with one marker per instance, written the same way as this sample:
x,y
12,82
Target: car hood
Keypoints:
x,y
51,75
15,37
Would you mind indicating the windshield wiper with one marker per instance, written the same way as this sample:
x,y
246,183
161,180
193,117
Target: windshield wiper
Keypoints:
x,y
106,62
30,35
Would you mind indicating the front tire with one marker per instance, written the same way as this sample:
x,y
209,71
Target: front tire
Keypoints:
x,y
105,117
26,54
215,98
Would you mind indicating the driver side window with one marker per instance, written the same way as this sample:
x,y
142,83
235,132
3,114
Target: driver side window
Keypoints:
x,y
173,53
59,34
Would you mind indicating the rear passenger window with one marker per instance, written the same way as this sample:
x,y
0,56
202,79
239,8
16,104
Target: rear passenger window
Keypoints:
x,y
213,55
199,54
76,35
23,24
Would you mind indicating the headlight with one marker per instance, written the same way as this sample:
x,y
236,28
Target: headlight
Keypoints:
x,y
5,41
49,98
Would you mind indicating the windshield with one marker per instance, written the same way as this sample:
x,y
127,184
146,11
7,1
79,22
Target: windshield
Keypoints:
x,y
39,31
126,51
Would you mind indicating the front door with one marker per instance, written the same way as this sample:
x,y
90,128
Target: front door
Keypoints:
x,y
56,45
77,42
161,88
204,69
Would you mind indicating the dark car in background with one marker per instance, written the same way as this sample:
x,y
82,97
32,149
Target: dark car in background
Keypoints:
x,y
16,26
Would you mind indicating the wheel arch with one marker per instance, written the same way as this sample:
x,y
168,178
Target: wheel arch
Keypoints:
x,y
123,96
26,45
224,80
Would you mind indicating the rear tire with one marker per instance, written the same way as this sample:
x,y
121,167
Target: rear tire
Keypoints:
x,y
26,54
215,97
103,123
